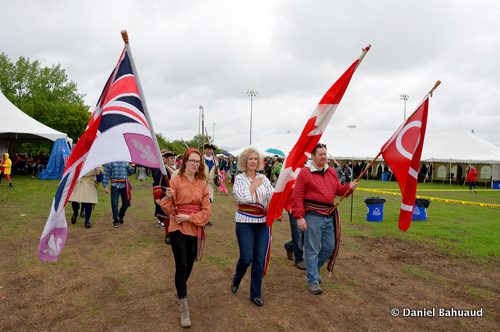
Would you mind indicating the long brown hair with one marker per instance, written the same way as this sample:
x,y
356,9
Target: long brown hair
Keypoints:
x,y
200,173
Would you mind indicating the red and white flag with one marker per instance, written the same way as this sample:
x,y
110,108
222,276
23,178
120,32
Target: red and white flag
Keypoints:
x,y
310,136
402,153
119,130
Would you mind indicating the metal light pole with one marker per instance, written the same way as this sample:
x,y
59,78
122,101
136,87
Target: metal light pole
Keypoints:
x,y
213,133
404,97
201,125
251,94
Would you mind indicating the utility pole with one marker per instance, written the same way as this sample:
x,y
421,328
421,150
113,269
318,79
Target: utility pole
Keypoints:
x,y
251,94
404,97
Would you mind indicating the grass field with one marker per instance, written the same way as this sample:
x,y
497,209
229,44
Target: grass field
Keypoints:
x,y
122,279
457,229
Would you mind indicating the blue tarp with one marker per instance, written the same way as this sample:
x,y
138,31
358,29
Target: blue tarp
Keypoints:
x,y
57,161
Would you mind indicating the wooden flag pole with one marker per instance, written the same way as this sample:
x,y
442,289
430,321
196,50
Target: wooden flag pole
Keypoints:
x,y
438,82
146,114
358,178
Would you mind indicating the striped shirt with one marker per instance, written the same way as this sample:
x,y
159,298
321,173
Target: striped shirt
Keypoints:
x,y
241,192
116,170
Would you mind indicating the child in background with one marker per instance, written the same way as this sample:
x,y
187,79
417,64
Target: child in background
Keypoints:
x,y
222,187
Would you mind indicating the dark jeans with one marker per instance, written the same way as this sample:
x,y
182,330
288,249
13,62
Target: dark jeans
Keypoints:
x,y
297,243
252,239
472,185
87,207
115,194
184,248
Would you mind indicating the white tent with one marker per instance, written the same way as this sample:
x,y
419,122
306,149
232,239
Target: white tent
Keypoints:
x,y
456,145
15,124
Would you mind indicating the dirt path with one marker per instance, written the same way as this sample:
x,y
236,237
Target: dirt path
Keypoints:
x,y
122,280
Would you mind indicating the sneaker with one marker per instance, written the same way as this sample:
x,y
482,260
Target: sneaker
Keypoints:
x,y
73,220
315,289
158,223
289,255
167,240
115,225
88,225
121,221
300,265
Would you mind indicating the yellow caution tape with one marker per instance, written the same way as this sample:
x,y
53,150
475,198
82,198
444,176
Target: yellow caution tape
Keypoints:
x,y
437,199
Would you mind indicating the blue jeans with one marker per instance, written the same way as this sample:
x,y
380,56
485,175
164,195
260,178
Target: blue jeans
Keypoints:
x,y
319,241
297,243
115,194
252,239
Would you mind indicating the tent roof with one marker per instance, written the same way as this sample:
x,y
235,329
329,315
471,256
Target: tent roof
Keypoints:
x,y
456,145
16,124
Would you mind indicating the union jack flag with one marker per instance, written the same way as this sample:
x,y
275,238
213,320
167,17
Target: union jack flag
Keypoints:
x,y
119,130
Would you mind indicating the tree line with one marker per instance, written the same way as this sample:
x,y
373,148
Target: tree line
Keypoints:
x,y
50,97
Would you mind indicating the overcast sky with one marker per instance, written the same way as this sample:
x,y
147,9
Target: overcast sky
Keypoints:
x,y
210,53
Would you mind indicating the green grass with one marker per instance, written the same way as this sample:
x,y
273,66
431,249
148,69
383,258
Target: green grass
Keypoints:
x,y
461,230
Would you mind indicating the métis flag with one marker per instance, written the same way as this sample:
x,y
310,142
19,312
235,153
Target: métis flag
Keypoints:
x,y
119,129
402,153
310,136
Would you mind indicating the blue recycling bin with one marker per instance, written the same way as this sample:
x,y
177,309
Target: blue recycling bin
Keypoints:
x,y
385,176
420,209
375,207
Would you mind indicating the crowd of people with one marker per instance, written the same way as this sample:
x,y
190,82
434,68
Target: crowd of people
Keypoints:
x,y
184,198
28,164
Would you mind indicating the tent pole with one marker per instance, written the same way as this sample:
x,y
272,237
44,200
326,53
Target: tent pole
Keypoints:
x,y
432,172
449,170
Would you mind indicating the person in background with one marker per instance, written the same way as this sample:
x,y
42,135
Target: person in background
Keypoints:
x,y
159,188
275,172
85,195
141,173
295,247
345,174
312,205
212,170
471,178
253,192
222,187
6,168
117,173
187,202
234,169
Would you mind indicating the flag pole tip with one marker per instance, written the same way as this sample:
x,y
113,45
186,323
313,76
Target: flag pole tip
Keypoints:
x,y
125,36
434,88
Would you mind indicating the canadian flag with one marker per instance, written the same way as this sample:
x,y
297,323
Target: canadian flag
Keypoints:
x,y
402,153
310,136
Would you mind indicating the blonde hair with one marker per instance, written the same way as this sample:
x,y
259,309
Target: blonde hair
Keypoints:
x,y
243,158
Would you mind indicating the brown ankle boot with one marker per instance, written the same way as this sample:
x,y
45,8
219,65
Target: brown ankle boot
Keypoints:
x,y
184,309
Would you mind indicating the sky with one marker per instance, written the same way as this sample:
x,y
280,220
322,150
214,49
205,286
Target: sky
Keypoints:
x,y
210,53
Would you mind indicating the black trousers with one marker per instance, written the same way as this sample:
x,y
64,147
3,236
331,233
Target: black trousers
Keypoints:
x,y
184,248
87,207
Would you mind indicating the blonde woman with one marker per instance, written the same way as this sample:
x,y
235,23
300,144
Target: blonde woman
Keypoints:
x,y
252,192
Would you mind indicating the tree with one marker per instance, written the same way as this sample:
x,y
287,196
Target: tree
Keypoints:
x,y
44,93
